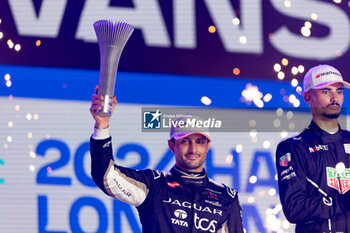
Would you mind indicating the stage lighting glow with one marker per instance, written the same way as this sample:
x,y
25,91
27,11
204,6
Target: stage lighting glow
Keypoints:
x,y
254,139
7,77
281,75
285,61
294,82
277,67
298,89
284,134
243,39
314,16
253,133
291,126
1,35
258,102
285,224
9,139
206,100
6,146
277,209
17,107
266,144
212,29
10,97
273,224
17,47
268,211
239,148
338,53
267,97
301,69
29,116
337,1
29,135
8,83
292,98
32,154
305,31
261,193
35,116
229,158
252,123
236,71
251,92
294,70
253,179
31,167
251,199
296,103
276,123
10,43
279,112
38,43
308,24
287,3
236,21
272,192
10,124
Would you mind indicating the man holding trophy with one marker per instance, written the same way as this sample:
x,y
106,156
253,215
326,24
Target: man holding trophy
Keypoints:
x,y
183,199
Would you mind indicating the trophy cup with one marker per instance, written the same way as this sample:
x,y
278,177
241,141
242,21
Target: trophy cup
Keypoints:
x,y
111,38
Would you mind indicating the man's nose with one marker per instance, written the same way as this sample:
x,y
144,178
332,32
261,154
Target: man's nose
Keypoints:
x,y
334,97
192,147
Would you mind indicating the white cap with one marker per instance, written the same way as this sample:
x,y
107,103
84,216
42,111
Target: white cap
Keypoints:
x,y
322,76
185,127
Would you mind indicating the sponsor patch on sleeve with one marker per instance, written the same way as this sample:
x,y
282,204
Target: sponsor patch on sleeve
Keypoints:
x,y
287,173
285,159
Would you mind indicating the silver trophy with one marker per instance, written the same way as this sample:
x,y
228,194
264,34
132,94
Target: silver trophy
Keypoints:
x,y
111,38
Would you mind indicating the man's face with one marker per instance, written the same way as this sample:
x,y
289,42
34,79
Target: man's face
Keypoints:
x,y
326,102
190,152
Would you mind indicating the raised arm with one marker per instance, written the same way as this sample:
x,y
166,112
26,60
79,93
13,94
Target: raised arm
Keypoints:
x,y
125,184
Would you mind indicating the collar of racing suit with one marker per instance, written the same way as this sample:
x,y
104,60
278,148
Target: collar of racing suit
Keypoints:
x,y
325,136
196,179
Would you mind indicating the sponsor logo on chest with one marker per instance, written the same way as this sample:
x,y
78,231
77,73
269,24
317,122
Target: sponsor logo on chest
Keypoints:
x,y
318,148
338,181
174,184
195,206
180,215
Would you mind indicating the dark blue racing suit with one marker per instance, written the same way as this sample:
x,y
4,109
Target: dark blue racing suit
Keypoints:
x,y
167,202
312,193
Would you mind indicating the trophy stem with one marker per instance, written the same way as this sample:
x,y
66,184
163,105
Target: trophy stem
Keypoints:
x,y
107,106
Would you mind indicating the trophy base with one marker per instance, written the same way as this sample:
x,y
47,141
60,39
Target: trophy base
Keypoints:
x,y
107,106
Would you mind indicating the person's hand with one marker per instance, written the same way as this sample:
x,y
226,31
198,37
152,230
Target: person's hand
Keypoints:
x,y
101,122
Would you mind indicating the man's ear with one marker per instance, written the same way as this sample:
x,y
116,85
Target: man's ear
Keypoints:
x,y
307,97
171,145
